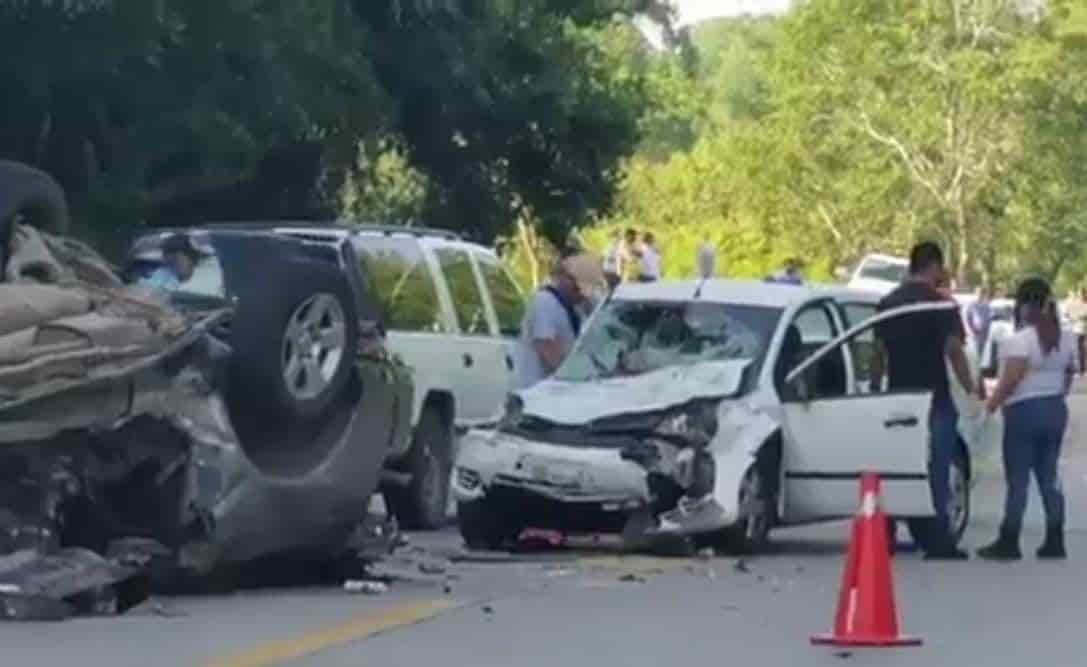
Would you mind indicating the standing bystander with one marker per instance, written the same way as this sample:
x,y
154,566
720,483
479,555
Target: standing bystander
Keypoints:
x,y
552,321
912,351
651,259
979,316
1037,365
1075,311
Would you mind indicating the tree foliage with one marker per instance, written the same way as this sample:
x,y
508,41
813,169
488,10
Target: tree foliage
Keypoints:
x,y
856,126
180,110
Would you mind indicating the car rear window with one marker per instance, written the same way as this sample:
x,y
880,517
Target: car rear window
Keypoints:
x,y
509,303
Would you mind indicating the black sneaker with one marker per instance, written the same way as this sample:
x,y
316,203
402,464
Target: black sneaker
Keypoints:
x,y
1001,550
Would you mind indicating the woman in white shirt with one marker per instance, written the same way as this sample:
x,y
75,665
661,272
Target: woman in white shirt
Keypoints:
x,y
1037,366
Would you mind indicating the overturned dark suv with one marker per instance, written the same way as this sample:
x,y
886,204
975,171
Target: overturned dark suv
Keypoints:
x,y
246,413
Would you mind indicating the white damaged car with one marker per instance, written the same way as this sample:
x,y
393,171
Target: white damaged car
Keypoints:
x,y
712,410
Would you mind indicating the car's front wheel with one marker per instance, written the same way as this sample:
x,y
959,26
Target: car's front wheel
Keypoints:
x,y
923,530
483,526
751,533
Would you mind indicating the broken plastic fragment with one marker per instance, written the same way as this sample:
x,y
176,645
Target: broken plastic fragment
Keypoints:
x,y
365,587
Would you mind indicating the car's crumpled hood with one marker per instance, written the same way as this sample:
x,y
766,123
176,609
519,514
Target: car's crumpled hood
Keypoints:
x,y
574,403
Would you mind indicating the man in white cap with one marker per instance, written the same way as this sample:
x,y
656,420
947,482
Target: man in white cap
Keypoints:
x,y
552,320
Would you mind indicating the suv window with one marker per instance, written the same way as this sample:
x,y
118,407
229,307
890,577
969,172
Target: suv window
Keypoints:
x,y
464,290
509,305
403,283
863,346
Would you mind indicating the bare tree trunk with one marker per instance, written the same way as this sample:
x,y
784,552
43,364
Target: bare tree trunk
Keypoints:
x,y
961,273
528,244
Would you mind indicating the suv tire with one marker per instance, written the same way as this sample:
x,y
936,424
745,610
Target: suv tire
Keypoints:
x,y
422,504
34,193
295,345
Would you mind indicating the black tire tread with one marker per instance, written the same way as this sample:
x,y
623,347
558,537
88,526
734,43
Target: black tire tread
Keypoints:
x,y
256,374
408,504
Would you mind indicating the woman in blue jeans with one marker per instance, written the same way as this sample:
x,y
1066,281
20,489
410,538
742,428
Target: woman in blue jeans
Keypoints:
x,y
1037,366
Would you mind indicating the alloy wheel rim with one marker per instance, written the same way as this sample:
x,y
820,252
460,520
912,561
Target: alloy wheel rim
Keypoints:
x,y
313,346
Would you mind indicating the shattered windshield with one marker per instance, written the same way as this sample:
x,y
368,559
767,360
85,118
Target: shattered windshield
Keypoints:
x,y
628,338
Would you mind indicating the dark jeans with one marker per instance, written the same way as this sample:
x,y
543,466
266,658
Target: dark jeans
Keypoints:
x,y
1033,432
943,442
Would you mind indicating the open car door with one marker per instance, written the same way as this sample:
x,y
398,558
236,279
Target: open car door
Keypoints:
x,y
832,439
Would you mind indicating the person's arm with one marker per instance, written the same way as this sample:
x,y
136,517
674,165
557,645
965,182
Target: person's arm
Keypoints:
x,y
1011,374
544,332
957,356
551,353
973,319
1015,362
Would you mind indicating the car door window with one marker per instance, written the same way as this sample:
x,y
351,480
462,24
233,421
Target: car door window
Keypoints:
x,y
403,283
456,265
862,347
812,328
509,305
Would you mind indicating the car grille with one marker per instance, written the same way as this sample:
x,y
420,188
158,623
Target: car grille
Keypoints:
x,y
576,436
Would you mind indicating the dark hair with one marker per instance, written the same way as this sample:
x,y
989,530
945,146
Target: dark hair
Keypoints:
x,y
648,236
924,255
180,243
1034,306
630,232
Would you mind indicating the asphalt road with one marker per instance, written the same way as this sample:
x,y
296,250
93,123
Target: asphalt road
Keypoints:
x,y
599,608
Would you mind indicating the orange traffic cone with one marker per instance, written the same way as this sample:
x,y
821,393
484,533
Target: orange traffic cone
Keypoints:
x,y
866,607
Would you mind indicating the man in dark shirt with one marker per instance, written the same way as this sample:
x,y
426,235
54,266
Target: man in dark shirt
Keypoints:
x,y
913,351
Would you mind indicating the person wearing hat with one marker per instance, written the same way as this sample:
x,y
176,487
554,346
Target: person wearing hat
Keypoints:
x,y
553,319
180,259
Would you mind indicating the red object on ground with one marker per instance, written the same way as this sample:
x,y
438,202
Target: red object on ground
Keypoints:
x,y
866,607
551,538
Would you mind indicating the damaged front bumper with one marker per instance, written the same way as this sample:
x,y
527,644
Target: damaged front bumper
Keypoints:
x,y
591,489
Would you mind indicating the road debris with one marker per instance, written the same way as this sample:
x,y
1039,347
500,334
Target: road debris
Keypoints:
x,y
61,583
741,566
559,571
633,578
707,553
487,609
432,567
367,587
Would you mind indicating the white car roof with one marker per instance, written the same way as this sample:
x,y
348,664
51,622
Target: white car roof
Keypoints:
x,y
740,292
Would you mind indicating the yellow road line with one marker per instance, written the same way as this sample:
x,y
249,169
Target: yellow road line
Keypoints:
x,y
276,652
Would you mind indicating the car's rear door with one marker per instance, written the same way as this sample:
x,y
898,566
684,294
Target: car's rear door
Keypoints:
x,y
832,437
477,346
508,305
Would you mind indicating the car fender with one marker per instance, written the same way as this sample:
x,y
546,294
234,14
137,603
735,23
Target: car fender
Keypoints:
x,y
742,433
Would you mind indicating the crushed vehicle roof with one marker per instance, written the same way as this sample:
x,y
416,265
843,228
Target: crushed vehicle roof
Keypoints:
x,y
741,292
